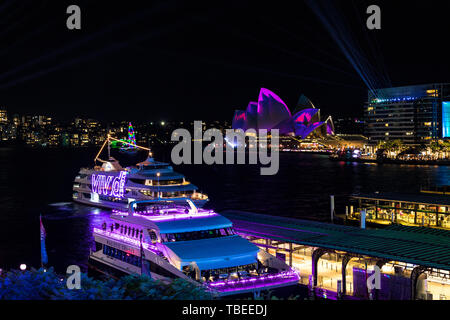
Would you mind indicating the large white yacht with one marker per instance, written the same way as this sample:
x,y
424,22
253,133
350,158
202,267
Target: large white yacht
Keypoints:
x,y
175,239
109,185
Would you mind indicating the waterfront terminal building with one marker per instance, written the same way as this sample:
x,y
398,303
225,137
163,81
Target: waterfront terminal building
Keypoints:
x,y
415,115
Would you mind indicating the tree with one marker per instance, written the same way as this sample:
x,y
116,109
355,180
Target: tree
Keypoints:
x,y
47,285
436,146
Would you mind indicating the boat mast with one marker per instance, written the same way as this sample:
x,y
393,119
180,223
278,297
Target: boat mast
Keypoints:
x,y
108,141
109,148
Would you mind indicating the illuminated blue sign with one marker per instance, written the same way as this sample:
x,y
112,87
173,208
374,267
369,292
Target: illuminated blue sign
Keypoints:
x,y
446,119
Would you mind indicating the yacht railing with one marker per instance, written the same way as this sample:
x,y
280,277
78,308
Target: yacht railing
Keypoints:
x,y
126,240
255,282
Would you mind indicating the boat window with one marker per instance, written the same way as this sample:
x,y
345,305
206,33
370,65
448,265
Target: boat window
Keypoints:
x,y
138,181
121,255
231,231
197,235
153,167
153,235
167,182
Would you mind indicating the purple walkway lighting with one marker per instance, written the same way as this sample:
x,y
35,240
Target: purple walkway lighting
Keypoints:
x,y
170,216
125,239
270,112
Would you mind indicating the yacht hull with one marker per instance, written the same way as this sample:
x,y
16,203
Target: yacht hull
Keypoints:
x,y
98,268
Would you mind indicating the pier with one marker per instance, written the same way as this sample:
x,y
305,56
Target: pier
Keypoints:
x,y
421,210
334,261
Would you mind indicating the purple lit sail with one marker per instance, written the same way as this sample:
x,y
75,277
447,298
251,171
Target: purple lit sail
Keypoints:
x,y
304,103
330,130
271,110
304,131
239,120
252,116
330,126
109,185
306,116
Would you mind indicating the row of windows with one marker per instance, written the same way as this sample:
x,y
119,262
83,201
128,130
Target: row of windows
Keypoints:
x,y
156,182
167,194
153,167
111,199
197,235
122,255
135,260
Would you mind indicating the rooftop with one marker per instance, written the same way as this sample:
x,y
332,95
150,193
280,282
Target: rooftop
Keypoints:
x,y
176,222
420,198
415,245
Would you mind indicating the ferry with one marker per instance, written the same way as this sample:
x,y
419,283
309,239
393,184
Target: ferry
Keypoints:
x,y
175,239
109,185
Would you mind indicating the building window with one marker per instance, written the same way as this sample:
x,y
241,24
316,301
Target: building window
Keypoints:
x,y
446,119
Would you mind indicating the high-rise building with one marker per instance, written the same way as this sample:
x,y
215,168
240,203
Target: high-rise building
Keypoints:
x,y
413,114
349,126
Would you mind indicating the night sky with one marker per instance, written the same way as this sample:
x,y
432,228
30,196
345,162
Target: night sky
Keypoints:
x,y
173,60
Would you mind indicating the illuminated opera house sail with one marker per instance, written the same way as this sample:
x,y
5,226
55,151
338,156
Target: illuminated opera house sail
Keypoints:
x,y
270,112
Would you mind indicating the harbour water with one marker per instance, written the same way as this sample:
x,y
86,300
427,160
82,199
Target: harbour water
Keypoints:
x,y
39,181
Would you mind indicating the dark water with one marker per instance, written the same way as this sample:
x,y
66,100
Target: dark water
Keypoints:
x,y
37,181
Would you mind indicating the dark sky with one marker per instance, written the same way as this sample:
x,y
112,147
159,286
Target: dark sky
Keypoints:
x,y
173,60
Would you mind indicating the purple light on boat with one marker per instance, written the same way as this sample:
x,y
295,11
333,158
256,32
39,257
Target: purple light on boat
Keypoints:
x,y
125,239
179,216
264,281
169,217
109,185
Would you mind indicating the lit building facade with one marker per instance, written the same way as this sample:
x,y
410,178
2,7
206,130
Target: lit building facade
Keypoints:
x,y
412,114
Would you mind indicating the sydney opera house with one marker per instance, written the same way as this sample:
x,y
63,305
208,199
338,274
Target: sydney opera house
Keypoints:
x,y
270,112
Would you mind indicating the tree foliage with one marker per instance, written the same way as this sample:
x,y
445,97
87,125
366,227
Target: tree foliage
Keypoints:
x,y
391,145
47,285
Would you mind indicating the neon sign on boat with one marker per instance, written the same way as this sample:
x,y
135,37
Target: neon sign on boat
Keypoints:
x,y
109,185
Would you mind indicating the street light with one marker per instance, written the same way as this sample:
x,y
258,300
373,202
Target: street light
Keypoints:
x,y
23,266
